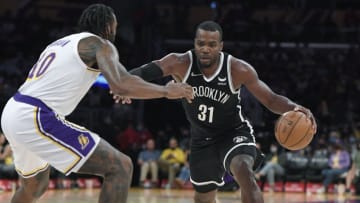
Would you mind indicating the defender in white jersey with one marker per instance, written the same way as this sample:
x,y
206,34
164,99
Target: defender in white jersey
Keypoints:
x,y
33,120
221,139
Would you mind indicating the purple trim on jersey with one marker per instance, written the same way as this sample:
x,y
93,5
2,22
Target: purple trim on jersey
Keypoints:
x,y
30,100
76,140
66,134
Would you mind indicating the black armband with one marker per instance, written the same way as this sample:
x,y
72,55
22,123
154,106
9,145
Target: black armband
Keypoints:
x,y
148,72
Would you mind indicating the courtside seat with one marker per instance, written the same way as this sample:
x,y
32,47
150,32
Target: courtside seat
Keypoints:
x,y
313,174
317,163
295,167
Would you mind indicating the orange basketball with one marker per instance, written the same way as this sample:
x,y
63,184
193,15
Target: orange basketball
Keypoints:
x,y
293,130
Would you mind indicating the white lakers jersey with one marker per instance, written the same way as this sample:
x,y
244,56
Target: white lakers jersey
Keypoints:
x,y
60,78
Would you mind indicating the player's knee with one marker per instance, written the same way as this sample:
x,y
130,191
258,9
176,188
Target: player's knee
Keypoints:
x,y
241,166
128,164
123,167
35,188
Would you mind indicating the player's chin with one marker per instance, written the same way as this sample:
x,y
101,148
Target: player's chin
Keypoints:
x,y
205,64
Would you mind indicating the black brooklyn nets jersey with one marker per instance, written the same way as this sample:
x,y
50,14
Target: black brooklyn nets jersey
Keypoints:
x,y
216,105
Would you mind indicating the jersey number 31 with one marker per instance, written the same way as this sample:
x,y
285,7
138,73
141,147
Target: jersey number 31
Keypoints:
x,y
206,113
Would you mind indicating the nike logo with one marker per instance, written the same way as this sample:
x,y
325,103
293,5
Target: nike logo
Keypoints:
x,y
239,139
222,79
194,75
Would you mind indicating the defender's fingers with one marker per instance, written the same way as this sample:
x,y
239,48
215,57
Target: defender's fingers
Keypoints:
x,y
189,98
189,92
126,100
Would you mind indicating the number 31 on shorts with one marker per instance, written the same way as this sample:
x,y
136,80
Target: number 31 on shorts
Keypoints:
x,y
206,113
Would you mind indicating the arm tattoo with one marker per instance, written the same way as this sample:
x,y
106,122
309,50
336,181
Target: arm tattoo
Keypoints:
x,y
87,49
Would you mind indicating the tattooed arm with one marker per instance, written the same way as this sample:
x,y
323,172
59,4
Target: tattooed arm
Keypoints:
x,y
94,50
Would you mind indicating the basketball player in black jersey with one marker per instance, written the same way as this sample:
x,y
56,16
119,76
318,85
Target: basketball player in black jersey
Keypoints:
x,y
222,140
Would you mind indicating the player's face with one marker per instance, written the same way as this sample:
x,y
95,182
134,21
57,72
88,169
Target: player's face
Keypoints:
x,y
207,47
111,30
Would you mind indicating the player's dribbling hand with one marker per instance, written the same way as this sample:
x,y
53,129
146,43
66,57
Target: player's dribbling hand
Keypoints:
x,y
179,90
119,98
309,115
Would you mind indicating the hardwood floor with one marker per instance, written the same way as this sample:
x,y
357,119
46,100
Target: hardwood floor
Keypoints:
x,y
181,196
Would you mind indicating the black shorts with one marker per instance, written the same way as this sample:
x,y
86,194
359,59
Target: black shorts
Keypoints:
x,y
211,159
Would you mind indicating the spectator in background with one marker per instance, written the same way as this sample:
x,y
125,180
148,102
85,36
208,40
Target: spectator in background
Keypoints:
x,y
171,160
271,167
355,169
334,137
7,168
144,134
184,175
128,139
339,163
185,138
148,161
161,139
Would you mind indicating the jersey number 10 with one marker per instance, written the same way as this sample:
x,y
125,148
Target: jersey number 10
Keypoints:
x,y
206,113
41,66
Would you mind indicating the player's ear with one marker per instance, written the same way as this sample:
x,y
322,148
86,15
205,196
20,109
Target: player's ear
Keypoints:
x,y
221,45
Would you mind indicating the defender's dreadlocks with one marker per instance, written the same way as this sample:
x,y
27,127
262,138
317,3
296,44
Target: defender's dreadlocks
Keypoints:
x,y
95,18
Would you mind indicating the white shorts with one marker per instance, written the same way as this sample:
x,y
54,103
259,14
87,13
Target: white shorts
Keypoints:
x,y
39,138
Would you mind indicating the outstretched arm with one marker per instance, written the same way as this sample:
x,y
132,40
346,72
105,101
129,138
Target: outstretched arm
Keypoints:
x,y
120,81
173,64
245,74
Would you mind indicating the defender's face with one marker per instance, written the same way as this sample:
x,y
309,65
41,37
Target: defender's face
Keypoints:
x,y
207,47
111,29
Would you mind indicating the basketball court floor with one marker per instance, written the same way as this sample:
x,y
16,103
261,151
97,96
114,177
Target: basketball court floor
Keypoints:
x,y
181,196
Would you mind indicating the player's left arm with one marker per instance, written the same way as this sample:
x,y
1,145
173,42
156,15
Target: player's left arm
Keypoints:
x,y
244,74
173,64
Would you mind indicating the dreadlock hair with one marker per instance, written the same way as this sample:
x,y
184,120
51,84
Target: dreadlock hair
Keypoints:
x,y
210,26
95,18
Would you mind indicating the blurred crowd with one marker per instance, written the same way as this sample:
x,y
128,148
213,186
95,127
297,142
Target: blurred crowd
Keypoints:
x,y
324,78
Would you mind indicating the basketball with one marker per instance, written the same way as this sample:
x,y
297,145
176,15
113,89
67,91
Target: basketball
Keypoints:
x,y
293,130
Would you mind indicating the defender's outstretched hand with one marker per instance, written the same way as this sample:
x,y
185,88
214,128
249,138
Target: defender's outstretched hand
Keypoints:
x,y
173,91
179,90
118,98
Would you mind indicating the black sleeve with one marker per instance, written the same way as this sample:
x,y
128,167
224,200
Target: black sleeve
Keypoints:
x,y
148,72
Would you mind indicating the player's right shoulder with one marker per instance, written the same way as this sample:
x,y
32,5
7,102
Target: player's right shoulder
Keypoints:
x,y
93,42
89,47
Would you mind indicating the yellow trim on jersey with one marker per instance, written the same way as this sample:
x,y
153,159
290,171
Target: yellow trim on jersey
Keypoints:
x,y
93,69
32,79
33,172
77,157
